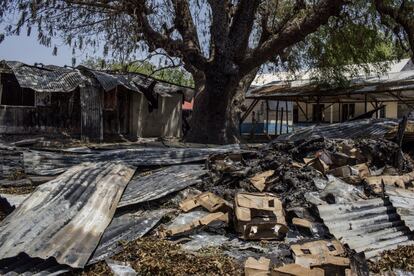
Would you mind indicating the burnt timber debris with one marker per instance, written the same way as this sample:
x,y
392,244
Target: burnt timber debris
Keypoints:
x,y
307,203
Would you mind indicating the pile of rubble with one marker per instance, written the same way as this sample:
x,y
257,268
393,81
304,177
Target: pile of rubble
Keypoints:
x,y
315,206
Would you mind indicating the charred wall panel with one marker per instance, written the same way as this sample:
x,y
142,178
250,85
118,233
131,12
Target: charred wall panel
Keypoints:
x,y
123,110
62,113
110,113
17,119
13,94
92,117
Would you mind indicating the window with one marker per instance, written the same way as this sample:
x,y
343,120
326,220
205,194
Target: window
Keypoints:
x,y
348,111
318,114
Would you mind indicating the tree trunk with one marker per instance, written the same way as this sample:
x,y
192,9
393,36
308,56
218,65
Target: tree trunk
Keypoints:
x,y
216,113
213,120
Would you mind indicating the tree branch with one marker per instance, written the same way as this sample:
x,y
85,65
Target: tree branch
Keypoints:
x,y
219,27
403,16
184,23
295,31
241,27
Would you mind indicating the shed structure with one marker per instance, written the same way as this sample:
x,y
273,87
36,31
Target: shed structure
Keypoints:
x,y
389,95
93,104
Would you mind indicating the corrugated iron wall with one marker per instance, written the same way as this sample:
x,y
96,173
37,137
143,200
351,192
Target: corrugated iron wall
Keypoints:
x,y
91,109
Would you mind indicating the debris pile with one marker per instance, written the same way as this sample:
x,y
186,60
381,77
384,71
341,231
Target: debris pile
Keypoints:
x,y
401,258
311,206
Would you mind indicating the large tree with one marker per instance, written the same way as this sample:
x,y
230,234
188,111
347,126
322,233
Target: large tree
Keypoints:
x,y
222,43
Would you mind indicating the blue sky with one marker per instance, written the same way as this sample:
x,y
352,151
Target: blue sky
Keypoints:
x,y
28,50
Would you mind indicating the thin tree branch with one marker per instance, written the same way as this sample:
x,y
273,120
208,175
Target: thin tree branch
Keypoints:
x,y
295,31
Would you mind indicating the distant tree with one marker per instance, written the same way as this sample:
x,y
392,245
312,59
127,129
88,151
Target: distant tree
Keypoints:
x,y
222,43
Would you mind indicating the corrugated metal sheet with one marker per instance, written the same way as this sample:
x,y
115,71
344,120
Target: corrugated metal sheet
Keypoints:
x,y
298,89
163,88
161,183
109,81
92,115
56,79
366,128
50,163
403,201
369,226
66,217
125,227
60,79
11,201
11,161
24,265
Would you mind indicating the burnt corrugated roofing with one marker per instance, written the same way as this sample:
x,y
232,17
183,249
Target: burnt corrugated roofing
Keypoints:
x,y
57,79
161,183
66,217
369,226
403,201
109,81
24,265
125,227
50,163
365,128
373,85
61,79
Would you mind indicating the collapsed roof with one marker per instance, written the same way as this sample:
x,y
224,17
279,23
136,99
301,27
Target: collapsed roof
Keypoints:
x,y
52,78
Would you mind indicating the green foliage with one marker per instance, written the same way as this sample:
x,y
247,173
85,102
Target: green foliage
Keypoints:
x,y
173,75
352,45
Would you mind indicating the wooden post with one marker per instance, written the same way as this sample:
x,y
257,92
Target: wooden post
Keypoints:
x,y
267,117
287,117
281,121
331,119
340,114
307,116
319,111
277,116
366,103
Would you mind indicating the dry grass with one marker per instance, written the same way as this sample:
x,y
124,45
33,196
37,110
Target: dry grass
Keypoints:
x,y
17,190
154,256
400,258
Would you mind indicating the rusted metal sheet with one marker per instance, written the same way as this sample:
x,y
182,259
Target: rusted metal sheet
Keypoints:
x,y
51,163
369,226
125,227
66,217
161,183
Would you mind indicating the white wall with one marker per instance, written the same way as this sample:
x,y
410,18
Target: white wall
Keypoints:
x,y
165,121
